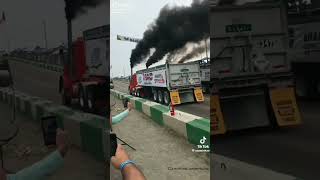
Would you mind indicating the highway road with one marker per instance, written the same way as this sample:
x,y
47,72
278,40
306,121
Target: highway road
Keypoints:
x,y
36,81
158,149
294,151
198,109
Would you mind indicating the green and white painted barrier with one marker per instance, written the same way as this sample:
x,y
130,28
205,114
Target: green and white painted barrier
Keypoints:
x,y
85,130
192,127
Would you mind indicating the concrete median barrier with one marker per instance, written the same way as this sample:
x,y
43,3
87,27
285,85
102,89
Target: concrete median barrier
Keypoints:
x,y
86,131
192,127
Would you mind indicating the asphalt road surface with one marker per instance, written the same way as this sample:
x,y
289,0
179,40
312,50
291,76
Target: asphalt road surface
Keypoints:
x,y
198,109
158,149
39,82
294,151
27,148
36,81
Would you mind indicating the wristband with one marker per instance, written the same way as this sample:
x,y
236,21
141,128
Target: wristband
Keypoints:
x,y
124,164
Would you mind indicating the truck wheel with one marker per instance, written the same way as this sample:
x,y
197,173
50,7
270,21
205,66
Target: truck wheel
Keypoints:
x,y
318,88
160,96
138,92
204,89
82,98
166,97
91,99
155,96
66,100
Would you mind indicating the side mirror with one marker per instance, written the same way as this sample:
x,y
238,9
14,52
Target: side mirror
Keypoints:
x,y
113,144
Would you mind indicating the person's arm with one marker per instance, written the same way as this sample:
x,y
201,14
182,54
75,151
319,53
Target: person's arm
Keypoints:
x,y
47,166
118,118
129,171
40,169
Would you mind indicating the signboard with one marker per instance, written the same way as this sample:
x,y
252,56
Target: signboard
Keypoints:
x,y
175,98
198,94
124,38
238,28
153,78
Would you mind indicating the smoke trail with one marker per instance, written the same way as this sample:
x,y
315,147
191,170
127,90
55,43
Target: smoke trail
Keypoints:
x,y
196,51
173,28
74,8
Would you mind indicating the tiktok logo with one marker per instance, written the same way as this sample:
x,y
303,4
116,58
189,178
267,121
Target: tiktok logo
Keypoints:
x,y
203,140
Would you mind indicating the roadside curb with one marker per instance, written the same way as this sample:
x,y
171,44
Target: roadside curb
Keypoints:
x,y
224,168
86,131
192,127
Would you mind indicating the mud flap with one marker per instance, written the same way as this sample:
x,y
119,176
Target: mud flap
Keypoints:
x,y
198,94
217,121
175,98
285,106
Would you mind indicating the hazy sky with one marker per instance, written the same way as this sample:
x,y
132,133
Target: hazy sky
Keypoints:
x,y
24,22
131,18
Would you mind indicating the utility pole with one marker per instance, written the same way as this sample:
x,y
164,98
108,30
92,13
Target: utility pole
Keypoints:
x,y
69,17
45,34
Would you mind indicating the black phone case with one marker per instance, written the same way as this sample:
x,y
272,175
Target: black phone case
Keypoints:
x,y
49,129
113,144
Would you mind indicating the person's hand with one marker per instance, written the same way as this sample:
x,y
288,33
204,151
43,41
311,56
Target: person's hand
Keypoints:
x,y
130,106
3,175
120,157
62,142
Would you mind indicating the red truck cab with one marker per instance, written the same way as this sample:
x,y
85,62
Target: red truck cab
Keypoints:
x,y
134,87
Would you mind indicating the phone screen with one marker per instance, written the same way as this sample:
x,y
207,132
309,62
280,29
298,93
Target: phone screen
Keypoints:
x,y
113,144
49,130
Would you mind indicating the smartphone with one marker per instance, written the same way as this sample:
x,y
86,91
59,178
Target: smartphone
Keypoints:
x,y
113,144
125,102
49,129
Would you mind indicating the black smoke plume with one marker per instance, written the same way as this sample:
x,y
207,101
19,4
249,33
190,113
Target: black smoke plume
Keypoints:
x,y
74,8
173,28
195,52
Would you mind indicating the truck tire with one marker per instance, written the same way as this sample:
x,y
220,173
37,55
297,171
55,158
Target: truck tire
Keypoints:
x,y
91,99
166,97
83,98
66,100
138,92
155,95
160,96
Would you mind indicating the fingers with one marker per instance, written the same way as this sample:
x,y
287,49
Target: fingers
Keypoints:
x,y
60,131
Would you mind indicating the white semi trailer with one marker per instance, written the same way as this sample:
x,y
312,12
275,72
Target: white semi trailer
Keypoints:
x,y
251,78
169,83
